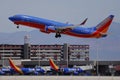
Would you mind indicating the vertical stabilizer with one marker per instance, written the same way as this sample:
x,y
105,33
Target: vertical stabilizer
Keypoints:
x,y
17,69
104,25
53,65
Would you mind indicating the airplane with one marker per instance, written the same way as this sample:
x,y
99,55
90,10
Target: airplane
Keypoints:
x,y
1,72
6,71
40,70
26,71
65,71
50,26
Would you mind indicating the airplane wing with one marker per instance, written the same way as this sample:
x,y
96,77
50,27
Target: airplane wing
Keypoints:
x,y
71,26
63,29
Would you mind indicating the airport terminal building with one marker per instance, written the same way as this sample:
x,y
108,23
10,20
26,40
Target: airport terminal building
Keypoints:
x,y
44,52
58,52
66,55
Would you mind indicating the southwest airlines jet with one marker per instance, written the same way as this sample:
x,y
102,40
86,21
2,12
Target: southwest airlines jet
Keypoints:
x,y
26,71
50,26
66,70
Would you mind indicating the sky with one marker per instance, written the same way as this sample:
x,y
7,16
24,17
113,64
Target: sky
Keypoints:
x,y
72,11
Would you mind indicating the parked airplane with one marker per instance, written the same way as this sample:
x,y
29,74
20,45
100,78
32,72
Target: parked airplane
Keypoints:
x,y
6,71
74,70
26,71
39,70
1,72
49,26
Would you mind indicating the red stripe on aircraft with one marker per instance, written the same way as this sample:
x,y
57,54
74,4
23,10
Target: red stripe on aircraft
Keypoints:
x,y
31,24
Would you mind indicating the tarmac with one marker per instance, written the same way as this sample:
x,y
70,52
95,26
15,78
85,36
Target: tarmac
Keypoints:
x,y
59,78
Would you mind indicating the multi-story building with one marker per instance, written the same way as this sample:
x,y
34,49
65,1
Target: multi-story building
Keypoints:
x,y
78,52
13,51
44,52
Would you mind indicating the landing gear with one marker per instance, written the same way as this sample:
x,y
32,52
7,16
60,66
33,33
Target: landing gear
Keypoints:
x,y
57,35
58,32
17,26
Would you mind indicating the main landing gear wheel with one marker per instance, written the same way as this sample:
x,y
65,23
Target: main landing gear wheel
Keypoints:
x,y
57,35
17,26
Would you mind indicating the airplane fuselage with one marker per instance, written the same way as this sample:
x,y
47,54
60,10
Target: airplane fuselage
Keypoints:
x,y
71,70
39,23
50,26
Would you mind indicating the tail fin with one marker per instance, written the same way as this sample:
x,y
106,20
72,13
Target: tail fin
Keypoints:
x,y
17,69
104,25
53,65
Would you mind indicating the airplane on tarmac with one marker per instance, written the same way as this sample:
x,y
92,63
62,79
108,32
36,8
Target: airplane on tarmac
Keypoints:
x,y
1,72
26,71
6,71
50,26
73,71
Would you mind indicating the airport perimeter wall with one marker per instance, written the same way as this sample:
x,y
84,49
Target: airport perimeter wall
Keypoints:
x,y
59,78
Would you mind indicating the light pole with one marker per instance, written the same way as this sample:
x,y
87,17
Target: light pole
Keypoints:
x,y
97,58
3,56
39,55
67,60
67,52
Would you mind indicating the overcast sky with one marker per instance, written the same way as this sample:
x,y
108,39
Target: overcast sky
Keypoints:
x,y
72,11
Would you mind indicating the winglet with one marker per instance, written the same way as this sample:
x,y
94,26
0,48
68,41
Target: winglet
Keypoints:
x,y
17,69
84,21
53,65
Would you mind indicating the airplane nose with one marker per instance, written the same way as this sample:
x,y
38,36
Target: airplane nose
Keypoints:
x,y
11,18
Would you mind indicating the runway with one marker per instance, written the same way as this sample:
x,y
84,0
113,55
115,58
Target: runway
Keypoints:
x,y
59,78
